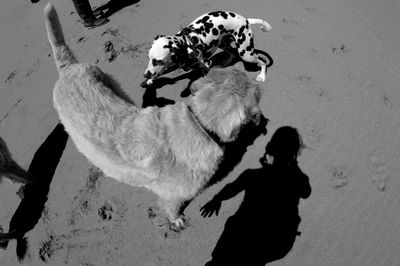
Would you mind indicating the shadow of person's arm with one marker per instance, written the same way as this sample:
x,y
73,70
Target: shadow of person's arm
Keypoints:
x,y
229,191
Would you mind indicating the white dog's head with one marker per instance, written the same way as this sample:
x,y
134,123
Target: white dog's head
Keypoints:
x,y
162,57
225,100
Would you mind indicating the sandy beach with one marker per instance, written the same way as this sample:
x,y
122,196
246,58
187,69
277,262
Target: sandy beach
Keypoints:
x,y
335,77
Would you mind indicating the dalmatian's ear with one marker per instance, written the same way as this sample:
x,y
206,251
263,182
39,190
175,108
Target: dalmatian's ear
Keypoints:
x,y
159,36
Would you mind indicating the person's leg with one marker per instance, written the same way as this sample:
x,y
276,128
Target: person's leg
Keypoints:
x,y
85,12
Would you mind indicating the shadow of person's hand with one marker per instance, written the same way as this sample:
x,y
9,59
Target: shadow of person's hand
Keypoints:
x,y
211,207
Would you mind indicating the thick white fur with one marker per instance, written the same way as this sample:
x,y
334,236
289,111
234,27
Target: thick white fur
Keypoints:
x,y
163,149
9,168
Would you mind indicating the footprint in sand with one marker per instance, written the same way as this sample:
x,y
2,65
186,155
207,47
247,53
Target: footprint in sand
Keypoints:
x,y
342,49
105,212
380,175
338,176
313,132
155,217
82,203
113,210
110,54
290,21
117,43
49,247
33,68
11,76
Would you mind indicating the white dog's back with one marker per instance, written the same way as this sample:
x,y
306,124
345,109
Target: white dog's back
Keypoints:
x,y
133,145
164,149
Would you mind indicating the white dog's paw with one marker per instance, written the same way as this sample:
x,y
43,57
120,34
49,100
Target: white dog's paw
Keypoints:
x,y
178,224
260,77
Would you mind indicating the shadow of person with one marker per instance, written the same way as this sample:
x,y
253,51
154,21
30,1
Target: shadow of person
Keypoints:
x,y
234,151
112,7
265,226
34,195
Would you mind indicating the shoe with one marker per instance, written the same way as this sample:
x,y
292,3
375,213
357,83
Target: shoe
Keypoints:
x,y
98,12
96,22
85,12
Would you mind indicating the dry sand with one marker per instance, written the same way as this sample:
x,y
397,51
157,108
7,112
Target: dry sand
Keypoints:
x,y
335,77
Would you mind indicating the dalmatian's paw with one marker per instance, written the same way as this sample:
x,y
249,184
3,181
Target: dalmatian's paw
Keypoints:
x,y
260,77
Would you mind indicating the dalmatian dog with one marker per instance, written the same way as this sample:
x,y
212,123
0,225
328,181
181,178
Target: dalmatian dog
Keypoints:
x,y
193,46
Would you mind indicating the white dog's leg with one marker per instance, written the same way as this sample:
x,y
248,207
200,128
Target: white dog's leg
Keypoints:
x,y
172,207
261,75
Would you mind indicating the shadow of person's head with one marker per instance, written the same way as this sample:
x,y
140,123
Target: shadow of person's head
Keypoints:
x,y
284,147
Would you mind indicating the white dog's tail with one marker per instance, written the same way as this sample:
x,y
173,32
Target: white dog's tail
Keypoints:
x,y
62,54
264,26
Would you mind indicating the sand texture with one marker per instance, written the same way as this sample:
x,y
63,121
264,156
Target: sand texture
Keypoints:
x,y
335,77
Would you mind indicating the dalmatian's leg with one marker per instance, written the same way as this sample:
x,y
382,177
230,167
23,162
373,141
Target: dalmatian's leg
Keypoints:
x,y
247,53
228,45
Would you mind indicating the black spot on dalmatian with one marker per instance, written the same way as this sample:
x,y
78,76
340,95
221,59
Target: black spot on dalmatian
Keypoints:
x,y
215,31
218,14
251,45
159,36
208,26
241,30
156,62
204,19
242,36
232,14
169,45
242,52
221,27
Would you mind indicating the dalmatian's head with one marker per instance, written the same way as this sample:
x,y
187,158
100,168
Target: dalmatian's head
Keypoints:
x,y
162,57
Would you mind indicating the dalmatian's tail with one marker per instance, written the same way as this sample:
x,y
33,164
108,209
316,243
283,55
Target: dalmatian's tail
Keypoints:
x,y
264,26
62,54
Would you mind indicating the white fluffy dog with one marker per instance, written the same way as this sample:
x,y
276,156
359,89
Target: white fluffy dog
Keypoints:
x,y
166,150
